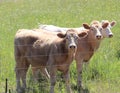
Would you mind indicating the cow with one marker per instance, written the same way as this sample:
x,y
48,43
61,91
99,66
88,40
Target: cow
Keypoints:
x,y
88,46
42,49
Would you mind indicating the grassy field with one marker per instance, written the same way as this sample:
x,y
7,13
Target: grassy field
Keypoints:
x,y
102,74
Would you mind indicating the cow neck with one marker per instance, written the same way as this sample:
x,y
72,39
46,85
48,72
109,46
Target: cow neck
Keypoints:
x,y
93,43
63,49
61,46
71,55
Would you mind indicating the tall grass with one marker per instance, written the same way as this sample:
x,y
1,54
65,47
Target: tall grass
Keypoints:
x,y
103,72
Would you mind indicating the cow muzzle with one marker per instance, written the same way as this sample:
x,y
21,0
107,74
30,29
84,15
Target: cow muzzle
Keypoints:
x,y
98,37
110,35
72,46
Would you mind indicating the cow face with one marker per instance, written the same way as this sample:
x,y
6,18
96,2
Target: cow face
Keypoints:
x,y
71,37
106,32
95,29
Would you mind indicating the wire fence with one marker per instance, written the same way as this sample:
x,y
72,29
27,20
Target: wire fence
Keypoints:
x,y
102,75
43,85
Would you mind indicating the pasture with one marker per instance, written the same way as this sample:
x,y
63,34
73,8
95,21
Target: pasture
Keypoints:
x,y
102,75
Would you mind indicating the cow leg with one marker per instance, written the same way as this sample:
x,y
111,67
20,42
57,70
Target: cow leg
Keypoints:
x,y
22,70
86,65
79,64
23,77
18,86
19,73
35,72
45,72
67,78
53,71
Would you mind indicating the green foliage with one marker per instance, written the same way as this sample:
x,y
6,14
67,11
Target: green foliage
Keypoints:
x,y
102,75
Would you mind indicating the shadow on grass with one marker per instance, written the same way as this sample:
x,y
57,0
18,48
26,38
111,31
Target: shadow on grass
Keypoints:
x,y
80,90
41,86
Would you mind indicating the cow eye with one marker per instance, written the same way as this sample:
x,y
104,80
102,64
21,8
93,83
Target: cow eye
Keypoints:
x,y
92,29
76,38
67,37
101,29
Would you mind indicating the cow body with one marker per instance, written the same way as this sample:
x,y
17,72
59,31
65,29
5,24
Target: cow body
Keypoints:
x,y
53,28
42,49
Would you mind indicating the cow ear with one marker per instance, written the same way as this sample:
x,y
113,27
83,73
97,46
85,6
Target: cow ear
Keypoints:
x,y
61,35
105,25
86,26
83,34
113,23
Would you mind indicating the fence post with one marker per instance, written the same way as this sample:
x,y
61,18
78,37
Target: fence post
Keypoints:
x,y
9,91
6,85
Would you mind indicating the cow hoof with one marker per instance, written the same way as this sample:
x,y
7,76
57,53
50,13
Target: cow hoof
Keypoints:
x,y
22,90
82,90
19,91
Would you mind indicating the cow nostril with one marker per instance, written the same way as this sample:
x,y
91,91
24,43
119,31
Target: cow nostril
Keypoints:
x,y
110,35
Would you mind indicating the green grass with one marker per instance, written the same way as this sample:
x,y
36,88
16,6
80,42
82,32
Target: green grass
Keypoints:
x,y
103,72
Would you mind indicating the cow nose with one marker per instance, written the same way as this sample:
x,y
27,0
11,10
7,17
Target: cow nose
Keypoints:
x,y
72,47
98,36
111,35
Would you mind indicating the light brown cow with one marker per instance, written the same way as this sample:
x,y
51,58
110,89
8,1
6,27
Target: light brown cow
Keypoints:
x,y
88,45
40,49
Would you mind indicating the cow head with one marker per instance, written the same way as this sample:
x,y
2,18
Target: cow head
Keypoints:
x,y
95,29
106,32
71,38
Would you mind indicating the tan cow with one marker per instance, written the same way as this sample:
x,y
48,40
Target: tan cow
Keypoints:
x,y
89,44
43,49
